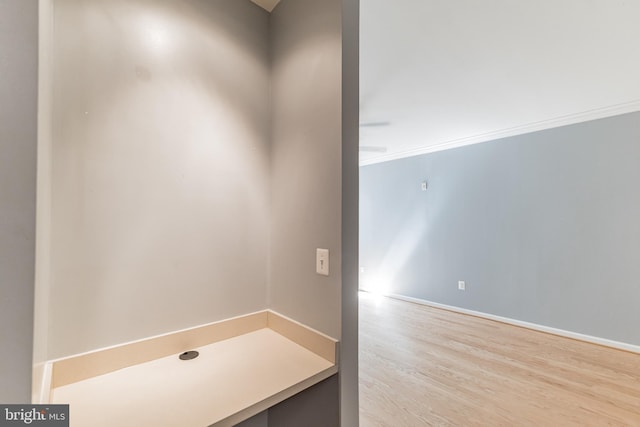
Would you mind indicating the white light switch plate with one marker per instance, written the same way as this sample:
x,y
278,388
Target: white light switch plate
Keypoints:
x,y
322,261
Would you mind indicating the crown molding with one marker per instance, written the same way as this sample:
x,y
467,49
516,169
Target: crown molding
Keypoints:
x,y
570,119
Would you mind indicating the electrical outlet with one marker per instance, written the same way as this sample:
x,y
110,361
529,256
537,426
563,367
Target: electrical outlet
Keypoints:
x,y
462,286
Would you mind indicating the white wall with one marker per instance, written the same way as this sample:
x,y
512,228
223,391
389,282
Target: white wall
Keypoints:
x,y
18,141
160,168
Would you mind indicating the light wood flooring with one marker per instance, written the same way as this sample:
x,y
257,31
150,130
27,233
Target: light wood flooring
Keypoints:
x,y
421,366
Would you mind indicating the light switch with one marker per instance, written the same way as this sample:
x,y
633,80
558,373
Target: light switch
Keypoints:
x,y
322,261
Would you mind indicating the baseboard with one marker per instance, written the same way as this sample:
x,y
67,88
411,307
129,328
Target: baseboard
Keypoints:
x,y
41,383
554,331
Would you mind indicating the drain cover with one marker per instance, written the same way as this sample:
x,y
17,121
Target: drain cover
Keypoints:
x,y
188,355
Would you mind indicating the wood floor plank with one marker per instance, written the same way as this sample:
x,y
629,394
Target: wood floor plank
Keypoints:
x,y
423,366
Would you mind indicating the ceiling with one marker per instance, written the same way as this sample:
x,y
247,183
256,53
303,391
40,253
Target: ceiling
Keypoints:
x,y
436,74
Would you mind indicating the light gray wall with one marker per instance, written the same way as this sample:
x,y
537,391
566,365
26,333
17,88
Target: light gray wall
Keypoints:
x,y
160,168
350,141
542,227
18,143
314,156
306,49
119,212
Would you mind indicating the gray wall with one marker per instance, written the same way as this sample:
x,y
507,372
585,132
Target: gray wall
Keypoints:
x,y
306,49
160,168
260,420
314,142
349,406
542,227
316,406
18,57
18,142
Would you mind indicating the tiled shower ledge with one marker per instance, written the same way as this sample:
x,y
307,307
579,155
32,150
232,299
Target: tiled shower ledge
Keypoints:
x,y
246,365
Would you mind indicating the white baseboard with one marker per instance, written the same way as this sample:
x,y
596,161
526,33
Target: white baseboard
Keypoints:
x,y
554,331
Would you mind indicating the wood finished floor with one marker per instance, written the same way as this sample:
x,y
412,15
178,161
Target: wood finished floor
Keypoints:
x,y
421,366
